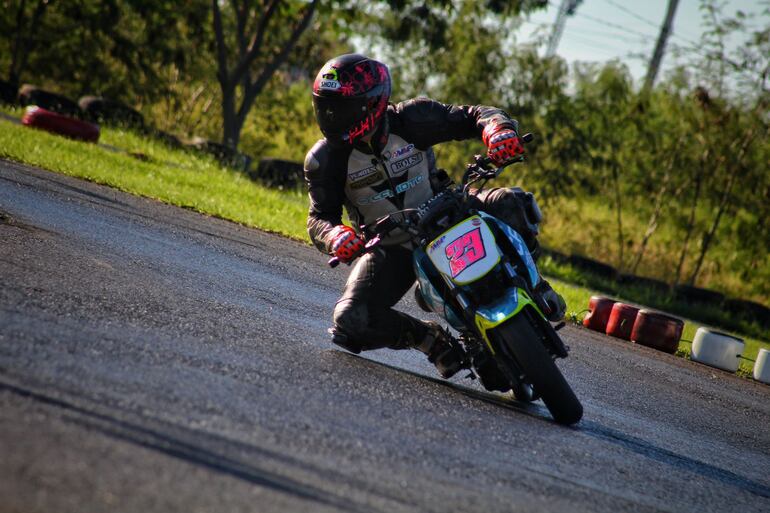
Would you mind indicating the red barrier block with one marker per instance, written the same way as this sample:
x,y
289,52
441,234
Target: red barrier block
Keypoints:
x,y
599,310
621,321
59,124
657,330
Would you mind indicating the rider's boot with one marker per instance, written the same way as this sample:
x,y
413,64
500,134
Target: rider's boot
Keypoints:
x,y
443,350
551,301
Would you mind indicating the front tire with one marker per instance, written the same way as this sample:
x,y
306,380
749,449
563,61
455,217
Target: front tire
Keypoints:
x,y
520,342
524,393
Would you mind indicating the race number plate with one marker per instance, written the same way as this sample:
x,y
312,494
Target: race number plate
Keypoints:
x,y
465,252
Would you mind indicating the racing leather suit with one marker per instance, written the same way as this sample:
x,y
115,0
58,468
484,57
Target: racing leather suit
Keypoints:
x,y
396,171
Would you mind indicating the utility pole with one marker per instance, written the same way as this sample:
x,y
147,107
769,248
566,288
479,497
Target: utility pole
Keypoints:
x,y
660,46
567,8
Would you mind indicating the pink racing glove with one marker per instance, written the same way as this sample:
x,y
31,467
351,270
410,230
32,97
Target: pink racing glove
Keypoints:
x,y
503,143
346,244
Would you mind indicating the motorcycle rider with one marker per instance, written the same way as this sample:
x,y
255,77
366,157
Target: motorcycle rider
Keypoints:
x,y
376,158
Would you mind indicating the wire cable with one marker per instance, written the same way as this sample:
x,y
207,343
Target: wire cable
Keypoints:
x,y
601,46
691,47
606,23
631,13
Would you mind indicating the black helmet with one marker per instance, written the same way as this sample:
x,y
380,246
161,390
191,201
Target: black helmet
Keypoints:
x,y
350,97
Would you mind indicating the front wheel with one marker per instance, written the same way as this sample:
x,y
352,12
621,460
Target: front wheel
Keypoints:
x,y
519,341
524,393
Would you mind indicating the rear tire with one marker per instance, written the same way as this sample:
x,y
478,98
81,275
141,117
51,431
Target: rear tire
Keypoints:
x,y
519,340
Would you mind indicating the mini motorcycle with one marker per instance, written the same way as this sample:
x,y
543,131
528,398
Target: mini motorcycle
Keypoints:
x,y
477,273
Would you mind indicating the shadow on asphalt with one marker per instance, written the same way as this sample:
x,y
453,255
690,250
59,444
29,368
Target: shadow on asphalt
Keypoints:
x,y
667,457
530,409
186,445
598,431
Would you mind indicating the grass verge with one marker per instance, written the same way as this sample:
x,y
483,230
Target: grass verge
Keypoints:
x,y
149,168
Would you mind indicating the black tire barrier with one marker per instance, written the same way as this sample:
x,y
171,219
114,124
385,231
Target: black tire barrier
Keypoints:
x,y
657,330
31,95
56,123
222,153
102,110
749,310
692,294
169,139
9,93
593,266
658,286
280,174
554,255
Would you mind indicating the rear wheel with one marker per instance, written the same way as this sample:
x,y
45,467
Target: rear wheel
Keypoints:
x,y
520,342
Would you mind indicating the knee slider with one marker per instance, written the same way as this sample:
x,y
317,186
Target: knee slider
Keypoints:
x,y
351,318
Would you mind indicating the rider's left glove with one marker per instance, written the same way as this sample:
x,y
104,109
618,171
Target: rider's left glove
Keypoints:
x,y
346,244
503,143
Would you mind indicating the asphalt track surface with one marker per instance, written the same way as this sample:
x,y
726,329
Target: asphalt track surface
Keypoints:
x,y
153,359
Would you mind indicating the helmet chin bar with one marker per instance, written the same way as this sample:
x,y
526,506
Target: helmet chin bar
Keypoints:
x,y
365,128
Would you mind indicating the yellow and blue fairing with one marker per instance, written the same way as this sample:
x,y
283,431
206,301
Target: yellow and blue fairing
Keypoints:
x,y
487,316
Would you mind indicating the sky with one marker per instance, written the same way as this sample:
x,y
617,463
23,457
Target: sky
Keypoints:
x,y
602,30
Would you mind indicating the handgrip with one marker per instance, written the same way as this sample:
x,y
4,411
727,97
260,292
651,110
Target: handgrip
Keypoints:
x,y
334,261
486,161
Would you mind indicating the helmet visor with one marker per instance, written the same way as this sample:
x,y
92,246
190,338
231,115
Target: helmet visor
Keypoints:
x,y
345,117
336,116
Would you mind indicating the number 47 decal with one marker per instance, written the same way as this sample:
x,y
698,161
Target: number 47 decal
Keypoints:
x,y
465,251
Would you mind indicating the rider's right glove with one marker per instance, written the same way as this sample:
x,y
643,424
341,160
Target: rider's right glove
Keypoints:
x,y
346,244
502,142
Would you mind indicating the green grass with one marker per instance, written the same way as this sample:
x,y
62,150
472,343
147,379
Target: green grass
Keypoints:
x,y
586,226
178,177
149,168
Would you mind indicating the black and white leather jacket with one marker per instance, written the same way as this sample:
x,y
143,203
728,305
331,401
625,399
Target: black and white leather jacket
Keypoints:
x,y
397,171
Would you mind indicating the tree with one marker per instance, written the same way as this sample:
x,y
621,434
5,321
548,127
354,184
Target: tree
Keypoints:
x,y
455,50
22,26
261,46
741,73
115,48
733,130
